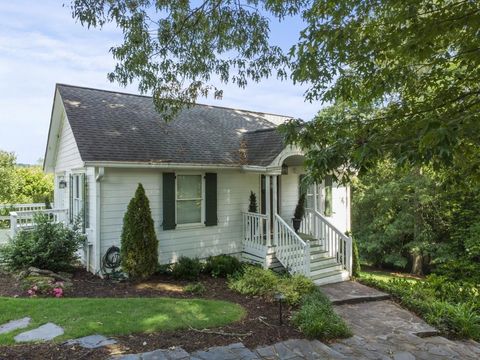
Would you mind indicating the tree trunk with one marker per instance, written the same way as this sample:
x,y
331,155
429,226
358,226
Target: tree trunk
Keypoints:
x,y
417,264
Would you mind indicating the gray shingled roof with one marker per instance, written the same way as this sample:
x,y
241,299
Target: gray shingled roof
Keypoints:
x,y
112,126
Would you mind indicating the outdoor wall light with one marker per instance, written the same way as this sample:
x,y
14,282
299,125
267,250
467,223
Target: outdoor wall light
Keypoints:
x,y
62,184
284,169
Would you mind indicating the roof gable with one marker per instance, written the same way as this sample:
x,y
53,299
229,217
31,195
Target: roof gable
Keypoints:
x,y
111,126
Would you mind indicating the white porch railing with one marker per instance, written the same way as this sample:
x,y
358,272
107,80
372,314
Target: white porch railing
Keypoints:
x,y
337,244
291,250
23,207
25,219
255,234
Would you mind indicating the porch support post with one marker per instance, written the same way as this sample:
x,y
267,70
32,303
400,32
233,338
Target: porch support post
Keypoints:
x,y
268,210
275,206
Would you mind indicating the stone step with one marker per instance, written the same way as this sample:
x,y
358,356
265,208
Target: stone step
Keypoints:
x,y
352,292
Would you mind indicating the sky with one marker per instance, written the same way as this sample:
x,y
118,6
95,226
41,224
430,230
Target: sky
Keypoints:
x,y
41,45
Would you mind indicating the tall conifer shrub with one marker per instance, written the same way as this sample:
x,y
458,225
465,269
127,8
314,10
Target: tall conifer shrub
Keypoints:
x,y
139,251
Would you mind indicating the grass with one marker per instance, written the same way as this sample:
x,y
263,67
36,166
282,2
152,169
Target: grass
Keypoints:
x,y
382,275
86,316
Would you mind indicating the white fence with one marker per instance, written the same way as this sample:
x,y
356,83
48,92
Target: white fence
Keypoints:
x,y
22,216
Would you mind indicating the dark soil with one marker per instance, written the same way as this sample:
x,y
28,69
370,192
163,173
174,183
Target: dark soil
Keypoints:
x,y
259,327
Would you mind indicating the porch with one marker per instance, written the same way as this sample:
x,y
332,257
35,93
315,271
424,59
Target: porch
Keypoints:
x,y
18,217
320,250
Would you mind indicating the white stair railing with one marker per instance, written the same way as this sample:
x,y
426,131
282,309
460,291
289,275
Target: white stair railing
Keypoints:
x,y
336,243
254,234
292,252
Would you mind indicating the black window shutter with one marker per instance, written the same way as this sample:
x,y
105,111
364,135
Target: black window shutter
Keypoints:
x,y
85,222
70,198
211,199
169,201
328,195
263,208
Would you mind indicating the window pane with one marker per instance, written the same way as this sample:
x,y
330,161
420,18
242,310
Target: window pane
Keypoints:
x,y
189,211
189,186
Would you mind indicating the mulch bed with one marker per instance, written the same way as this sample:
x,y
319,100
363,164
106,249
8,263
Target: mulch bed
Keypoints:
x,y
261,319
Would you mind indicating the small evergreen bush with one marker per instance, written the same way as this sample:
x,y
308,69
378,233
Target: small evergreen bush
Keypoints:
x,y
300,208
253,207
355,259
187,268
48,246
139,251
222,266
317,319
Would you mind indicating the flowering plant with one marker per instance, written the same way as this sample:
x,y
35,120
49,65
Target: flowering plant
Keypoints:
x,y
45,286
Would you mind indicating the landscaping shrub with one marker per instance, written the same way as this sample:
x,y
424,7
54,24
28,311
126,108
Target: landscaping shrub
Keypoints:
x,y
48,246
164,269
197,288
139,251
316,318
222,266
255,281
264,282
295,288
187,269
452,307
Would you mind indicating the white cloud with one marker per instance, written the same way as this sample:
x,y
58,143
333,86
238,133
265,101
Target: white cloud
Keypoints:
x,y
40,45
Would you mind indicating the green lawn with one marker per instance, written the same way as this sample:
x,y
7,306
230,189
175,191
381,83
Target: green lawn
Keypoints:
x,y
107,316
381,275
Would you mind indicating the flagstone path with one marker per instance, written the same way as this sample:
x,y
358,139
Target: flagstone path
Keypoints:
x,y
382,330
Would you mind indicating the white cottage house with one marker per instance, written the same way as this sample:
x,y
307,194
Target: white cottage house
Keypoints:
x,y
198,171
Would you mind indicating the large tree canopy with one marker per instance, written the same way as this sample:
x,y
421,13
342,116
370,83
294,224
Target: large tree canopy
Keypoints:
x,y
413,64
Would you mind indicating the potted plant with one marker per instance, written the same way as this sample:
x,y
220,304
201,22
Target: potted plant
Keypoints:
x,y
252,207
299,213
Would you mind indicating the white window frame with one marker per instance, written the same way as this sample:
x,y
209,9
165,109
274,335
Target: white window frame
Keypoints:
x,y
78,196
202,200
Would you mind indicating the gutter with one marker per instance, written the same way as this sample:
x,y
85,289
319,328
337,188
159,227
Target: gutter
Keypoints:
x,y
101,165
158,165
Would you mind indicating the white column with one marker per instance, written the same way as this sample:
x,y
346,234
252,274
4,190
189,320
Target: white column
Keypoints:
x,y
275,207
274,191
13,224
268,210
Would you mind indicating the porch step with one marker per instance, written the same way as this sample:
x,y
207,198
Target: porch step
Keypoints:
x,y
318,268
330,277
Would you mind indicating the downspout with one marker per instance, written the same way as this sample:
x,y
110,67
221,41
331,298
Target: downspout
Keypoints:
x,y
98,257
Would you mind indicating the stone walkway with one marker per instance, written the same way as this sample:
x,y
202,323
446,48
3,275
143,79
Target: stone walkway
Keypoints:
x,y
382,330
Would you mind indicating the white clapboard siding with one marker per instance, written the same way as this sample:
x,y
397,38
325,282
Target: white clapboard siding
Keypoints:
x,y
68,156
119,185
